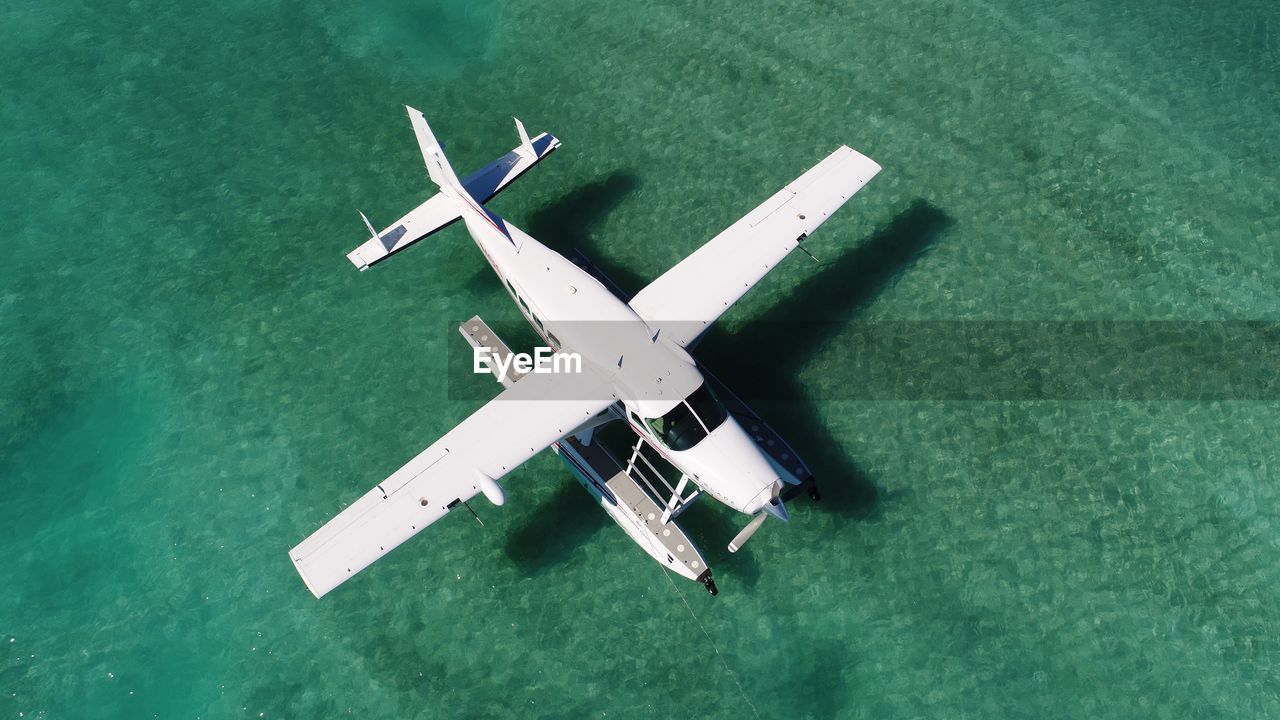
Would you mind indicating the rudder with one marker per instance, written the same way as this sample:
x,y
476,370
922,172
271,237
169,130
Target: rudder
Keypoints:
x,y
433,154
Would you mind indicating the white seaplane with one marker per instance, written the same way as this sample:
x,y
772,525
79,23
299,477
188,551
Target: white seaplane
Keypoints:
x,y
634,367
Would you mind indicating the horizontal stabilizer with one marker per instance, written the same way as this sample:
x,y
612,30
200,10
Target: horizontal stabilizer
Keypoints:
x,y
440,211
493,178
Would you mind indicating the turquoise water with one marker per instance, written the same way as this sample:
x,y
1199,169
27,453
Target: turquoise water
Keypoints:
x,y
195,378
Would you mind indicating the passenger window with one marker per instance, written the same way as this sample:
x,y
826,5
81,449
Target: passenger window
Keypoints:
x,y
555,342
538,322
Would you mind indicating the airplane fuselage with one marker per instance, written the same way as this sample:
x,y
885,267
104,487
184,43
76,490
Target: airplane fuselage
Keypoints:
x,y
573,312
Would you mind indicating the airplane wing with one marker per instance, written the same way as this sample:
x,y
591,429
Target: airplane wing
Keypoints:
x,y
469,459
682,303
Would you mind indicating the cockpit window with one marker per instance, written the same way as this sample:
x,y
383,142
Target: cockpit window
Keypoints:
x,y
707,407
686,424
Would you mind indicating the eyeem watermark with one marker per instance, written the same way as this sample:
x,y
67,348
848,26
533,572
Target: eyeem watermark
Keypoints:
x,y
830,359
543,360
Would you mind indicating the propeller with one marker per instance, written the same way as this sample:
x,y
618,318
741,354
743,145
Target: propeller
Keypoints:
x,y
741,538
774,507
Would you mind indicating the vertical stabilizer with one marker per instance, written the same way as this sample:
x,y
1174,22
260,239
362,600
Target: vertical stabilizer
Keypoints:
x,y
442,175
433,155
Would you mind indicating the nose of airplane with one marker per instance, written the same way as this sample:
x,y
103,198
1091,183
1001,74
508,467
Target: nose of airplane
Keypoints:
x,y
769,500
777,508
735,469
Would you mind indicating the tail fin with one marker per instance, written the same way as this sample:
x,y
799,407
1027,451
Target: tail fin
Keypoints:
x,y
456,200
442,174
526,145
433,155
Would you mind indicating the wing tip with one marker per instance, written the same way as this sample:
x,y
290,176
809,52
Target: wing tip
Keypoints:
x,y
297,565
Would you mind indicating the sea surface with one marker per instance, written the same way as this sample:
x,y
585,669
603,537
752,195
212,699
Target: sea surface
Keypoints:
x,y
193,377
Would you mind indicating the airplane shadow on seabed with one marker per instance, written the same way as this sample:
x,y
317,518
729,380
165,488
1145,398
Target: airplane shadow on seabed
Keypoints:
x,y
798,325
793,331
801,324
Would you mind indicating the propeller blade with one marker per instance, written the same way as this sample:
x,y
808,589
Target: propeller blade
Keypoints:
x,y
741,538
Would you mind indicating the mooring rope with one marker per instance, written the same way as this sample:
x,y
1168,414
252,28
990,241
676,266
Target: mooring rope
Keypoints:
x,y
714,646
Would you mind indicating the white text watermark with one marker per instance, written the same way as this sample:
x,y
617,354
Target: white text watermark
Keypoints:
x,y
543,360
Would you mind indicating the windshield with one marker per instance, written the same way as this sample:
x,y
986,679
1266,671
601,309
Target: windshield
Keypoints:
x,y
707,407
687,423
